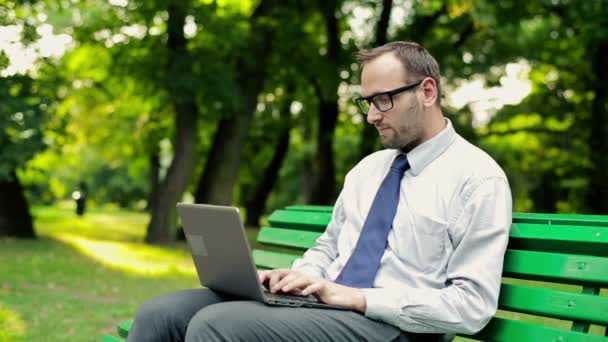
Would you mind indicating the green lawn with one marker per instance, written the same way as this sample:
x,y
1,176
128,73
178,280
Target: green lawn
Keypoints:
x,y
84,275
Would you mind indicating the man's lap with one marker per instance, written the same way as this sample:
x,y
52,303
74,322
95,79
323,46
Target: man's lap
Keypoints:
x,y
202,314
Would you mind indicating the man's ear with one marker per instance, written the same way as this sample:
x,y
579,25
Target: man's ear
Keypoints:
x,y
429,92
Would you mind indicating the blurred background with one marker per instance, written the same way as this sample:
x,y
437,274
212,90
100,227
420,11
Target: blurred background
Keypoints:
x,y
113,111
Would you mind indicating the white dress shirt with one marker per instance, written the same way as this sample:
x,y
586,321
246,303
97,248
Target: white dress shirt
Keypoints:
x,y
441,269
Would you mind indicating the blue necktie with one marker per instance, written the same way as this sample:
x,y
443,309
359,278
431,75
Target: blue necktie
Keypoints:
x,y
362,266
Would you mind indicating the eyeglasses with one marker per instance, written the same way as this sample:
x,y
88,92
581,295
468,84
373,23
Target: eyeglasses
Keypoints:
x,y
382,101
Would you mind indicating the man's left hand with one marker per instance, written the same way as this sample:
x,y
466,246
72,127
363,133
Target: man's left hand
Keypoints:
x,y
328,292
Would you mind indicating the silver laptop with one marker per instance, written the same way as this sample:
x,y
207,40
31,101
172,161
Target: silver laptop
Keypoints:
x,y
222,256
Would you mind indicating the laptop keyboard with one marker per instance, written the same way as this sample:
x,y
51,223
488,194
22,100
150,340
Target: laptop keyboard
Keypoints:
x,y
283,296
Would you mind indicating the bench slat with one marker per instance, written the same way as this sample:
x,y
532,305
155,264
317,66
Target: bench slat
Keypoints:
x,y
562,219
319,208
299,239
270,259
500,329
538,237
314,221
577,269
110,338
559,219
570,229
587,240
553,303
124,327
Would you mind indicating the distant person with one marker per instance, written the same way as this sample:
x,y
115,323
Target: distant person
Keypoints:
x,y
80,196
415,245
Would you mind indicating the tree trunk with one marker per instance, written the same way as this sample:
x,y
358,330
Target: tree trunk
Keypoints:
x,y
216,183
324,188
15,218
153,179
256,204
369,134
179,174
325,180
308,173
255,207
545,194
597,198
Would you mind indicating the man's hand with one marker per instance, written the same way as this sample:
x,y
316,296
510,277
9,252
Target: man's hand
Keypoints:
x,y
285,280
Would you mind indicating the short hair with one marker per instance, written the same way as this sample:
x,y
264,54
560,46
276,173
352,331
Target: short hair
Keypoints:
x,y
416,60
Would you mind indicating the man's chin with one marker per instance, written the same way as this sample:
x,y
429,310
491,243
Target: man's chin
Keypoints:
x,y
388,143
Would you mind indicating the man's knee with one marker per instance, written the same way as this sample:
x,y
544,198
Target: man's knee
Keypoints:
x,y
166,317
229,321
152,310
151,322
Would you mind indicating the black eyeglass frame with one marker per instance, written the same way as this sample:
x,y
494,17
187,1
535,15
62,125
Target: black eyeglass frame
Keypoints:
x,y
371,98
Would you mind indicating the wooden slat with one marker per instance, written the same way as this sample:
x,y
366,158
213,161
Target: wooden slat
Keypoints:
x,y
303,215
299,239
500,329
110,338
536,237
549,218
551,238
554,303
578,269
583,326
319,208
124,327
314,221
270,259
562,219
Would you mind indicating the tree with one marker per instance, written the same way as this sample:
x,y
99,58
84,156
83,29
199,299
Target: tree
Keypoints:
x,y
571,101
326,88
23,117
25,103
216,183
255,199
179,174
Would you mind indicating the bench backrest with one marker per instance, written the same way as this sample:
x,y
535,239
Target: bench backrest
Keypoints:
x,y
555,285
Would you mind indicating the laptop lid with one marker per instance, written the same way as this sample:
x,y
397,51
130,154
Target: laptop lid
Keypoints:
x,y
220,249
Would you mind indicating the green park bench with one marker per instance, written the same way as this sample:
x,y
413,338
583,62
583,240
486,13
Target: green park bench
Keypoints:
x,y
555,270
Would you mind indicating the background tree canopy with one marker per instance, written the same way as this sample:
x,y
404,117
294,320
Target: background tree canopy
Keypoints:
x,y
249,102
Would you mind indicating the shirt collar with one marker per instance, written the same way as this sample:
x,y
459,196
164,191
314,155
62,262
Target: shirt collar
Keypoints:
x,y
422,155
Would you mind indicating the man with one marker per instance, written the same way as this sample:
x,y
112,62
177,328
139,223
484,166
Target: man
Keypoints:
x,y
416,241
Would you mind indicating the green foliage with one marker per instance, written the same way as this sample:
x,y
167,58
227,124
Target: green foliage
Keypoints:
x,y
22,119
110,109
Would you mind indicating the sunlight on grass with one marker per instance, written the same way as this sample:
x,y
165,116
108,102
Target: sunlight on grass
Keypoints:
x,y
12,326
107,224
132,257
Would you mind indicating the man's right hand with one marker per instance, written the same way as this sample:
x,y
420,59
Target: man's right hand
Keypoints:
x,y
288,281
272,276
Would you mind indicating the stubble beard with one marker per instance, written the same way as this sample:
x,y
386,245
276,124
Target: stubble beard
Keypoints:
x,y
407,135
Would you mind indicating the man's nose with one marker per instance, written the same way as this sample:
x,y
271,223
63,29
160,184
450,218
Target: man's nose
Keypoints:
x,y
373,115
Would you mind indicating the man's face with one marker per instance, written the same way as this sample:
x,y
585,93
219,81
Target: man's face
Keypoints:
x,y
401,126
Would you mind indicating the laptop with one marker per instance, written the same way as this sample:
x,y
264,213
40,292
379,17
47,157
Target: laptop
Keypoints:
x,y
222,256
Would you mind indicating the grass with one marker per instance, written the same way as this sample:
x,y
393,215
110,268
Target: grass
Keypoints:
x,y
83,275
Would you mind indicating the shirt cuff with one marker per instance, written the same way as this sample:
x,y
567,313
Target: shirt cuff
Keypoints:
x,y
380,305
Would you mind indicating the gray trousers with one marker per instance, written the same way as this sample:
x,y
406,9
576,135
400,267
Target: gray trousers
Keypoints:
x,y
205,315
